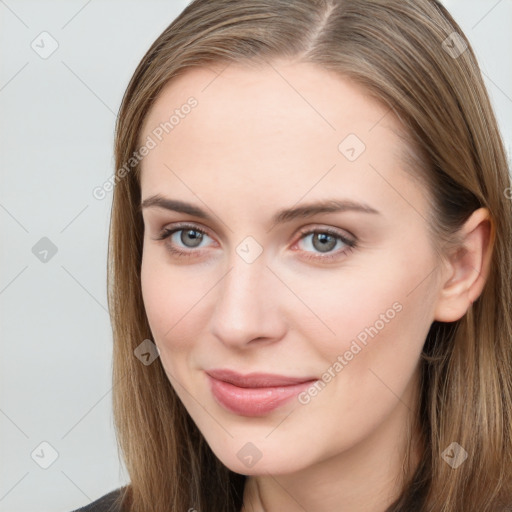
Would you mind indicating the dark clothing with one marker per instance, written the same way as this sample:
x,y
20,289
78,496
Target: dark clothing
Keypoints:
x,y
103,504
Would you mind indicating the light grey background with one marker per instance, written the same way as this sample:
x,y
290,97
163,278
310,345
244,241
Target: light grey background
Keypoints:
x,y
57,122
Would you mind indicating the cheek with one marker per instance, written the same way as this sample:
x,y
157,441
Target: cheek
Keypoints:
x,y
169,296
379,320
179,301
168,299
362,304
381,335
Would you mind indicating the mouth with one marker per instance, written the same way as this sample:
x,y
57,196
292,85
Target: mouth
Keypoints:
x,y
254,394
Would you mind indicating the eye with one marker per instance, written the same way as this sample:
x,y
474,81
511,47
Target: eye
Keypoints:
x,y
190,238
325,240
184,239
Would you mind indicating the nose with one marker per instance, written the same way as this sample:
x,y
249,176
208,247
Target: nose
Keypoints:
x,y
249,305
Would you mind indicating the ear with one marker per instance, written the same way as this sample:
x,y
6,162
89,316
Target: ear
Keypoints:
x,y
467,268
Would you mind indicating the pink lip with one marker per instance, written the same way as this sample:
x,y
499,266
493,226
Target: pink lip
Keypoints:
x,y
254,394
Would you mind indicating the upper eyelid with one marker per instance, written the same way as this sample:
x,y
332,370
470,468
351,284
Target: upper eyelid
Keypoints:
x,y
179,227
302,231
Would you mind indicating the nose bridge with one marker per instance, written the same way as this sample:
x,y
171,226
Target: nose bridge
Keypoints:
x,y
246,306
243,288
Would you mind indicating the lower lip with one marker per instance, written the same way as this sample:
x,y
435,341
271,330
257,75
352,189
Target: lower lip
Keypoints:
x,y
253,401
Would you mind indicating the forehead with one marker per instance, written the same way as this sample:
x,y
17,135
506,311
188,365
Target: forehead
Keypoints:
x,y
255,129
270,96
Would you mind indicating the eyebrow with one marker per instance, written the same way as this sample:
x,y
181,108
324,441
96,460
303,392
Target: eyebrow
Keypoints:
x,y
282,216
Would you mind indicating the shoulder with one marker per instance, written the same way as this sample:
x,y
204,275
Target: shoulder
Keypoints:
x,y
107,503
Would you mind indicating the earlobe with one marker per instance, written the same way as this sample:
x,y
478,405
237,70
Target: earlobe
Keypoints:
x,y
467,268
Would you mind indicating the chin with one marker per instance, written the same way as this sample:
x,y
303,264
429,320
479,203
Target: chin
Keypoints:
x,y
254,459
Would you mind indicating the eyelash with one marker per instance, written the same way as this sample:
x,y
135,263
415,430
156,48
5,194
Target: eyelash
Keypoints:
x,y
350,244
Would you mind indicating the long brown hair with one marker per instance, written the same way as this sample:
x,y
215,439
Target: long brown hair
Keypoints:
x,y
413,57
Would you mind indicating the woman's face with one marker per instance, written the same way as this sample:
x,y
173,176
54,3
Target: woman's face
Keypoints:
x,y
342,297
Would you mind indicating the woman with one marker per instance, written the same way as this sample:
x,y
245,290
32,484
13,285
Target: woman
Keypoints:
x,y
310,253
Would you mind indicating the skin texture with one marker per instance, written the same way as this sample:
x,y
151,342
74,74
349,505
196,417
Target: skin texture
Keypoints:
x,y
261,139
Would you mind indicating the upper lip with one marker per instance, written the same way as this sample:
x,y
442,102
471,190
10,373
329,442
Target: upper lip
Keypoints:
x,y
256,379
